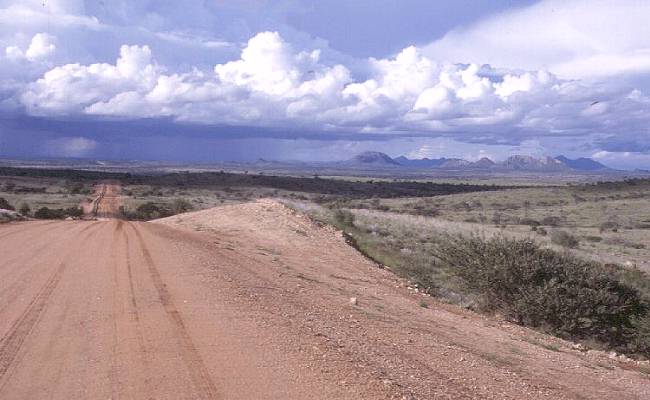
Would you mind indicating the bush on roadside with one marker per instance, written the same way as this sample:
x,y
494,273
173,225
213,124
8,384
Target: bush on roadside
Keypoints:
x,y
564,239
25,209
608,226
4,204
150,210
530,222
181,205
58,213
555,292
552,220
344,218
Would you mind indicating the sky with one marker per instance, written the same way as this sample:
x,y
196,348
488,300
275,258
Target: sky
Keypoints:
x,y
219,80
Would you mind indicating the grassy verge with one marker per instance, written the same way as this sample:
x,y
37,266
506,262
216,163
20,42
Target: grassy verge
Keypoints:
x,y
603,305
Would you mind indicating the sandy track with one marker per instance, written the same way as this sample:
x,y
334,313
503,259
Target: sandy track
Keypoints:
x,y
254,307
91,310
107,201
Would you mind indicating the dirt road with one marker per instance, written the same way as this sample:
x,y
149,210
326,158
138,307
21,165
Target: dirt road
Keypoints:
x,y
256,305
106,202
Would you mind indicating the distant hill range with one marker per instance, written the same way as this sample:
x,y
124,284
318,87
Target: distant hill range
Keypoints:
x,y
512,163
373,157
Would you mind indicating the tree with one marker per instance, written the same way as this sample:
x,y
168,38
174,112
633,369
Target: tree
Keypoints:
x,y
25,209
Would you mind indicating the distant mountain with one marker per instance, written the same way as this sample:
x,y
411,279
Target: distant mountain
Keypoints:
x,y
447,163
581,164
483,163
374,158
455,163
512,163
529,163
420,163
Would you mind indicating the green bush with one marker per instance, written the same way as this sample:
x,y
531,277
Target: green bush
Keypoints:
x,y
529,221
148,211
58,213
564,239
25,209
181,206
4,204
552,220
548,290
608,226
344,218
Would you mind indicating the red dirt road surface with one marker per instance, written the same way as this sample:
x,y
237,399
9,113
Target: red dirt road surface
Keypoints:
x,y
253,302
106,203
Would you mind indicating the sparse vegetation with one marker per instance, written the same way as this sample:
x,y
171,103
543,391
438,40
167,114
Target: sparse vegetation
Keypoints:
x,y
564,239
58,213
25,209
344,218
404,225
541,288
4,204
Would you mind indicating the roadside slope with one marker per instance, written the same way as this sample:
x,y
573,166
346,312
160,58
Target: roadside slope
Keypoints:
x,y
301,277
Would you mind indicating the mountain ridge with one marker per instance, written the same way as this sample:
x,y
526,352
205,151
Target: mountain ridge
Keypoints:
x,y
515,162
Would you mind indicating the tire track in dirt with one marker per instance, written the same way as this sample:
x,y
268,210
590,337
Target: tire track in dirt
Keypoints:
x,y
98,200
7,261
17,286
40,248
135,309
114,374
12,342
19,229
125,316
196,367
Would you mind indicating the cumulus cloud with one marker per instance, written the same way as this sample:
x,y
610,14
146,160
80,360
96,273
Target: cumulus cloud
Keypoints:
x,y
70,88
272,83
623,159
41,46
571,38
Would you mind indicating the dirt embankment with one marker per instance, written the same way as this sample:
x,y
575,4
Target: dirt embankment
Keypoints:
x,y
410,343
256,304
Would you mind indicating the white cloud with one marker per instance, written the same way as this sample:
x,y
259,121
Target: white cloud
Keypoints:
x,y
54,14
14,53
274,84
42,46
570,38
70,88
623,159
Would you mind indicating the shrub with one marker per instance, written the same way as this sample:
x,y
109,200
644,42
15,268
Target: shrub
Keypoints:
x,y
545,289
149,210
639,335
496,218
617,241
608,226
344,218
564,239
529,221
552,220
25,209
4,204
181,206
58,213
